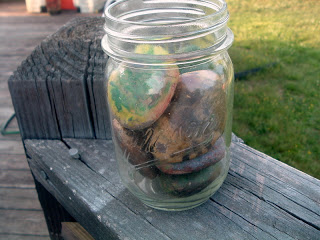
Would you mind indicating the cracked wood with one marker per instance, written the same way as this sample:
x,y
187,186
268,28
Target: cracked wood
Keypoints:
x,y
59,90
255,202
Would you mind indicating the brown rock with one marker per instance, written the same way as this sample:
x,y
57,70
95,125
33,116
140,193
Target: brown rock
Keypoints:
x,y
130,143
195,118
214,155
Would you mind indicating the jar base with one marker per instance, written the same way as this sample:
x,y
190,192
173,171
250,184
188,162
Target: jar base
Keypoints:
x,y
175,207
187,203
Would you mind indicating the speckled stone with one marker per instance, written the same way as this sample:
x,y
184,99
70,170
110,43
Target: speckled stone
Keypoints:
x,y
214,155
195,118
128,141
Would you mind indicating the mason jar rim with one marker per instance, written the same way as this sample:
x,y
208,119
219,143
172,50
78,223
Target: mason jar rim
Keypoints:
x,y
166,24
201,2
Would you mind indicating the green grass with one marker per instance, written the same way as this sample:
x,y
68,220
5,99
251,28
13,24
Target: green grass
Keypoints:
x,y
277,111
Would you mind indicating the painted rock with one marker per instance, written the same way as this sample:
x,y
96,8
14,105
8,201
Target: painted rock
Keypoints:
x,y
194,120
130,144
214,155
203,91
138,97
188,184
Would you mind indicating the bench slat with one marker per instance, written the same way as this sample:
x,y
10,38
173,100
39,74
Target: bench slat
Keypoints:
x,y
90,202
253,203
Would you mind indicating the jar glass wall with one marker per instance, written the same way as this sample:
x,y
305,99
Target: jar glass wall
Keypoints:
x,y
170,97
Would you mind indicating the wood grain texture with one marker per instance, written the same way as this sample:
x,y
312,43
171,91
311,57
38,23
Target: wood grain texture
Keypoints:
x,y
74,231
11,147
53,211
17,236
96,83
90,210
13,161
61,87
19,36
259,199
19,199
16,179
22,222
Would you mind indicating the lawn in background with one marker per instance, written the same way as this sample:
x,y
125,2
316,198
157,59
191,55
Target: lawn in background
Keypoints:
x,y
277,111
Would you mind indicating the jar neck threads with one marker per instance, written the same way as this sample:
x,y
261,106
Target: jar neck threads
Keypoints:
x,y
179,30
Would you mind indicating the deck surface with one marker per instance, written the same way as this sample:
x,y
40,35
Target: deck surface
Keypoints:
x,y
21,216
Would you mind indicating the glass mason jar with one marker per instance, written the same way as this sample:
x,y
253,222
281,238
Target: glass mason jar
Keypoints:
x,y
170,97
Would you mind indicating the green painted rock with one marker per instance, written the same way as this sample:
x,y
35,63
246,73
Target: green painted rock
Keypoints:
x,y
214,155
130,143
138,97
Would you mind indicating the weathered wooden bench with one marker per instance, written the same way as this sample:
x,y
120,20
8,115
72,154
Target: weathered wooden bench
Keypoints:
x,y
57,94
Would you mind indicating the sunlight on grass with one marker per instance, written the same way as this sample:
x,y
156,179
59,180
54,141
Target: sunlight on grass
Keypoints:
x,y
277,111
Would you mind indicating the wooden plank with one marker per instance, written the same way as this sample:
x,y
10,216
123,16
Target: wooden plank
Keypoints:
x,y
16,179
89,209
5,98
45,109
26,102
32,23
13,161
256,215
266,198
19,36
19,222
277,169
11,137
66,75
6,112
12,61
31,101
32,32
19,103
19,199
74,231
207,221
53,211
12,236
68,51
67,86
5,76
11,147
97,87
